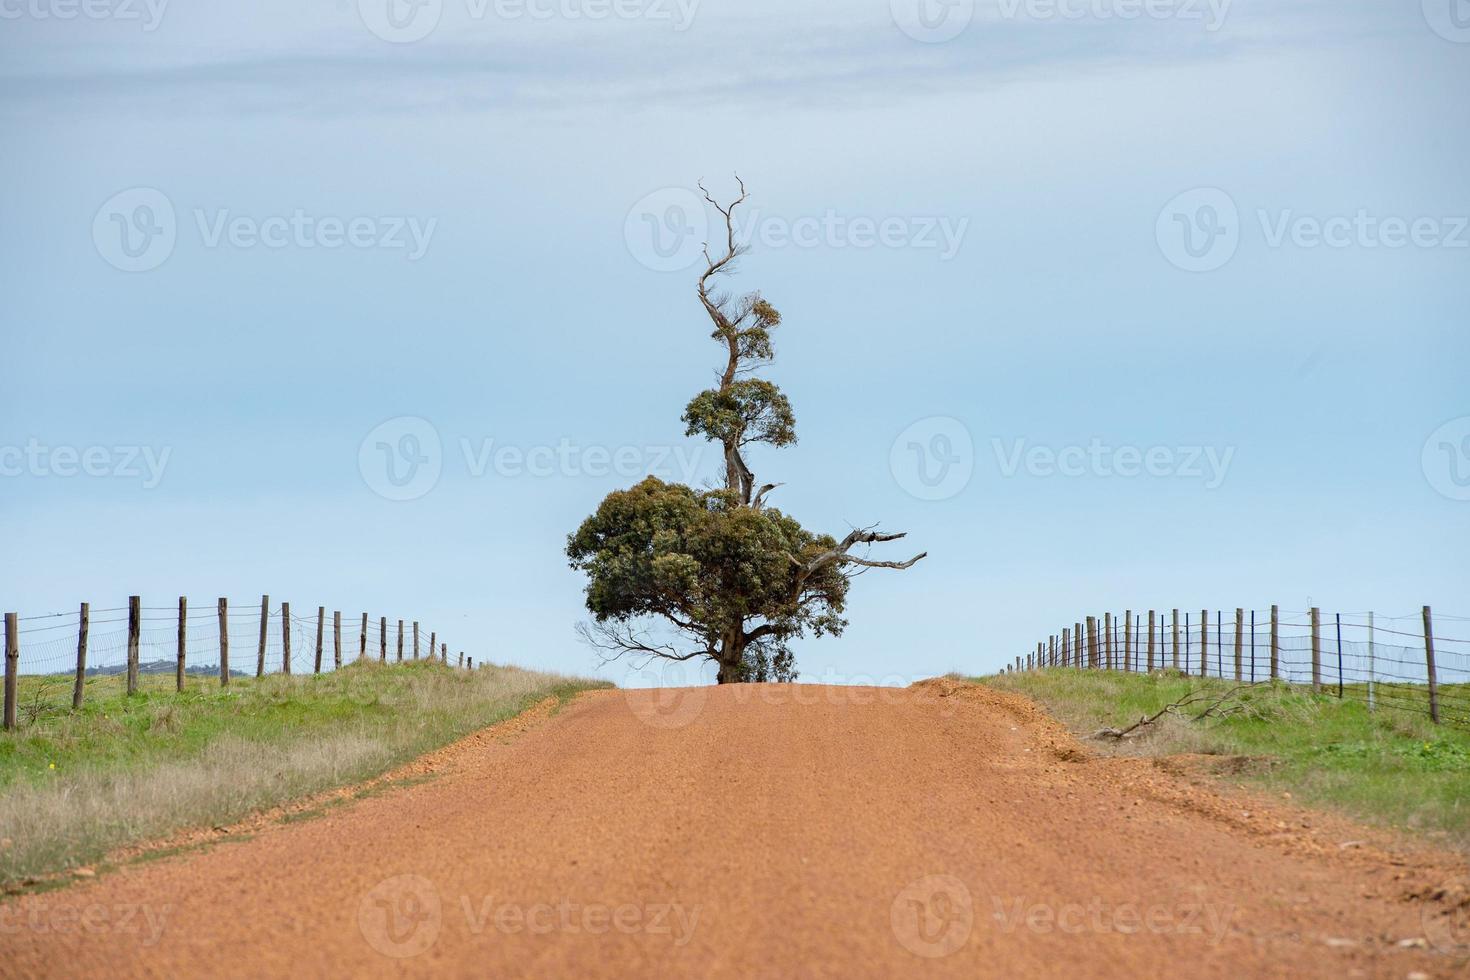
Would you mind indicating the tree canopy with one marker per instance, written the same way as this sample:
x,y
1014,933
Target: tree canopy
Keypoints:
x,y
683,574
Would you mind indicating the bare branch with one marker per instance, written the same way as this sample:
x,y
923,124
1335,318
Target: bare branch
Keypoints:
x,y
615,641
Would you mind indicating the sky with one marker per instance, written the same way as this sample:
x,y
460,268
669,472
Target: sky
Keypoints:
x,y
1107,303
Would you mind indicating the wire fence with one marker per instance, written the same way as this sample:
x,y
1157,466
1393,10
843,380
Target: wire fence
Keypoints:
x,y
1392,662
222,639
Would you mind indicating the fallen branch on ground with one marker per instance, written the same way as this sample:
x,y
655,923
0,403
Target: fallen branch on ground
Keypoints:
x,y
1215,707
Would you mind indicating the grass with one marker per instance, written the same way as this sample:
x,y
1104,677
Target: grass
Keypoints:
x,y
123,770
1391,768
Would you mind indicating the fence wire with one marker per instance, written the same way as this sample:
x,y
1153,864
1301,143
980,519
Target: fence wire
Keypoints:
x,y
1383,661
48,643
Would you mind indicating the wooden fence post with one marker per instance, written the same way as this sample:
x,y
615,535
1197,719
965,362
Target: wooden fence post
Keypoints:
x,y
1176,639
135,630
1239,643
415,639
1316,649
1150,641
1079,657
12,666
1091,641
1275,642
265,612
469,663
444,654
286,638
1204,643
400,641
224,642
183,624
78,688
1066,645
461,660
1108,641
321,628
432,640
337,638
1428,663
362,639
383,639
1128,639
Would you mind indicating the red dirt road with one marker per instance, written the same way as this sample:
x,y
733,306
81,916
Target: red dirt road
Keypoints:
x,y
769,831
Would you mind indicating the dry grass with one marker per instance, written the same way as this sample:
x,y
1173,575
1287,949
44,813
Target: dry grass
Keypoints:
x,y
208,757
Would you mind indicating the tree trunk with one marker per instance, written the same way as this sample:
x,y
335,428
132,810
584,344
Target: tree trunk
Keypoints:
x,y
732,657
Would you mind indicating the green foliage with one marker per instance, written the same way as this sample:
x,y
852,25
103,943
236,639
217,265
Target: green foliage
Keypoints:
x,y
699,558
745,411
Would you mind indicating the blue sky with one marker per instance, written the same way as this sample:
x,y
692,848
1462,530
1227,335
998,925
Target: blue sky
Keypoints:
x,y
1231,233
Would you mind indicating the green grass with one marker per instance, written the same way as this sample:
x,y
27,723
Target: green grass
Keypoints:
x,y
1390,768
76,785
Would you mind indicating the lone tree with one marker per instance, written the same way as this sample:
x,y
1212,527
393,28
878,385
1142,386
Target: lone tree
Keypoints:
x,y
683,574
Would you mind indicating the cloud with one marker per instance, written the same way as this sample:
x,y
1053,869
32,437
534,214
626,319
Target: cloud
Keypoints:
x,y
752,61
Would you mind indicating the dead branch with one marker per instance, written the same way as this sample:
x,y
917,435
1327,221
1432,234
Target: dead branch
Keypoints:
x,y
1215,706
